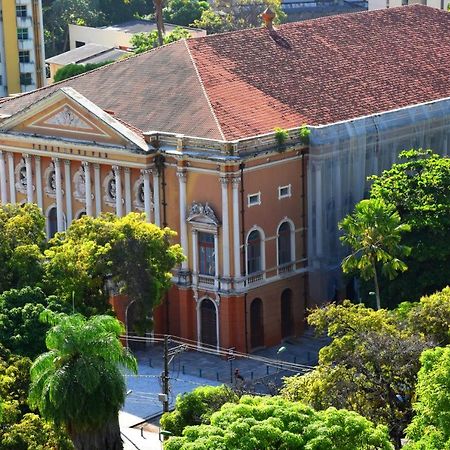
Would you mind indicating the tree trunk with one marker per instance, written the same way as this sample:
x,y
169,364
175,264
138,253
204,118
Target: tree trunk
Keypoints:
x,y
377,288
105,438
158,4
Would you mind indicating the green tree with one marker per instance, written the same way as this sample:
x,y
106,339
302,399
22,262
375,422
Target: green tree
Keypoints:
x,y
142,42
419,188
430,428
370,366
134,255
196,407
429,317
373,232
22,240
78,382
21,331
274,423
184,12
71,70
227,16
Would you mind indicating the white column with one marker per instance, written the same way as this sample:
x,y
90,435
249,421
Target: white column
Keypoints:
x,y
156,197
181,174
216,260
98,191
116,170
4,194
88,188
195,257
68,184
236,230
59,195
225,229
39,196
29,171
147,194
12,181
127,190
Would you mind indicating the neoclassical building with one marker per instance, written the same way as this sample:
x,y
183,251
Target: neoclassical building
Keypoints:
x,y
185,133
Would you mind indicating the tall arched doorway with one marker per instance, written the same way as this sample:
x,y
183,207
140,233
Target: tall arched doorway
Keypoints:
x,y
208,322
256,323
52,222
287,318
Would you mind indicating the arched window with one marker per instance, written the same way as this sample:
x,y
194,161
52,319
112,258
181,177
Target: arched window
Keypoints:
x,y
254,257
52,222
284,244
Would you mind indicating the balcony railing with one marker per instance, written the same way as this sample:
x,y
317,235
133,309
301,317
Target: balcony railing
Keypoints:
x,y
206,280
286,268
255,277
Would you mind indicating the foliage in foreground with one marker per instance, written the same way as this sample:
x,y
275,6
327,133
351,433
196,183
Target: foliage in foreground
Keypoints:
x,y
135,255
19,428
184,12
71,70
374,232
419,189
196,407
22,240
371,364
21,329
78,382
430,428
273,423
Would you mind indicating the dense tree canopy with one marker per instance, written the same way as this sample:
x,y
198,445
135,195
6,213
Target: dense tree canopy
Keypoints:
x,y
370,366
373,232
273,423
419,189
58,14
70,70
21,331
196,407
184,12
78,382
227,16
430,428
22,240
142,42
134,255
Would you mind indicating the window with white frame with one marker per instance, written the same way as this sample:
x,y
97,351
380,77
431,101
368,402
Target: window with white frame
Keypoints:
x,y
254,199
284,191
22,34
206,253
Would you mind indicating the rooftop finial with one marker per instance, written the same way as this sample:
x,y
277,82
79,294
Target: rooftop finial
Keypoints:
x,y
268,15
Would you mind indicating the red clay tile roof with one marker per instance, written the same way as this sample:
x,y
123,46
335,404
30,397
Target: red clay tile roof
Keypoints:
x,y
245,83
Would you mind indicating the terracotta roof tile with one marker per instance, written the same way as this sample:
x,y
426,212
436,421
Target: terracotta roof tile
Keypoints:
x,y
245,83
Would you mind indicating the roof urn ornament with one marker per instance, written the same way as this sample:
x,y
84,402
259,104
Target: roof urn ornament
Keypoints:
x,y
268,15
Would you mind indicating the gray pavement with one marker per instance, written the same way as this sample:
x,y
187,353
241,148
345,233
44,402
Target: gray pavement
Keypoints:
x,y
191,369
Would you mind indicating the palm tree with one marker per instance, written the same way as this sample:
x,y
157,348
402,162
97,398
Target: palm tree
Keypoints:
x,y
78,382
158,5
373,232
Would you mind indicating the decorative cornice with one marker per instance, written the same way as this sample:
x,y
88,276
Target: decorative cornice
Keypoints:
x,y
202,213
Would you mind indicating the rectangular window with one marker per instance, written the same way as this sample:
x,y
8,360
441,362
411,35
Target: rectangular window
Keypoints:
x,y
26,79
254,199
284,191
206,254
24,56
22,34
21,11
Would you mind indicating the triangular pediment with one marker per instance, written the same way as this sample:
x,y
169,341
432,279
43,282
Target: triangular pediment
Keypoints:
x,y
67,114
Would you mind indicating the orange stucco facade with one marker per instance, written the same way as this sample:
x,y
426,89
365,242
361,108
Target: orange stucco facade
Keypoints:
x,y
247,286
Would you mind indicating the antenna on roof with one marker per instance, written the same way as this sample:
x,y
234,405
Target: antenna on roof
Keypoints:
x,y
268,15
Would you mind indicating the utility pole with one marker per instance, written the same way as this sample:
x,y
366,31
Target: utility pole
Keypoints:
x,y
165,377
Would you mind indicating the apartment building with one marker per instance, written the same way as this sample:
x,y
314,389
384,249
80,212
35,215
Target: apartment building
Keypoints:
x,y
22,66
